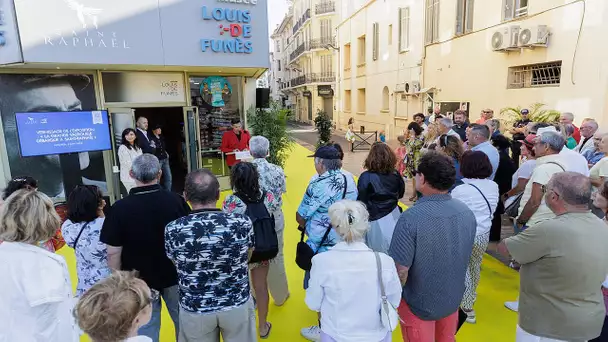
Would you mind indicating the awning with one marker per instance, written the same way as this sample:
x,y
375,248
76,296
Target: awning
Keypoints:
x,y
425,90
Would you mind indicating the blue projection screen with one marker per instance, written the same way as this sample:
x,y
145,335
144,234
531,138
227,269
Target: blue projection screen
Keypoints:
x,y
63,132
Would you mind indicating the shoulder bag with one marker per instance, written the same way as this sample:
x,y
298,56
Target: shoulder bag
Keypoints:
x,y
80,233
304,253
513,209
388,313
485,199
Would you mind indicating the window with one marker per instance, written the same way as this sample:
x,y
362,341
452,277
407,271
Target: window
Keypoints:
x,y
464,16
375,39
347,100
326,64
431,25
404,29
279,64
361,46
346,56
390,34
361,100
325,29
514,9
535,75
385,100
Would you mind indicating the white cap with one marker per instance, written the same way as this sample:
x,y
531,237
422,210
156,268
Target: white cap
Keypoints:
x,y
545,130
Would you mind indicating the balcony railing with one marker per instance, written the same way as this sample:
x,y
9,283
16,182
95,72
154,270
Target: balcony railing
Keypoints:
x,y
298,51
301,21
321,77
325,7
321,43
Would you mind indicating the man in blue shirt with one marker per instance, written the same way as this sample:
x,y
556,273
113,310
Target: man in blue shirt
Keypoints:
x,y
479,140
431,246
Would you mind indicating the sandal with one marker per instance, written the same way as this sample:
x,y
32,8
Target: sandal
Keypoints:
x,y
269,325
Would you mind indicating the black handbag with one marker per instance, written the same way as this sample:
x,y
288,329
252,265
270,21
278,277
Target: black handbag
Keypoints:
x,y
304,253
513,209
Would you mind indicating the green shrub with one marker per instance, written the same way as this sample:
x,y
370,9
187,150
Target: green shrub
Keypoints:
x,y
510,115
324,127
271,123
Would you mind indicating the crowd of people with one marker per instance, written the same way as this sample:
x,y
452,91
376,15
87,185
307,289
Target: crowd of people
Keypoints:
x,y
368,265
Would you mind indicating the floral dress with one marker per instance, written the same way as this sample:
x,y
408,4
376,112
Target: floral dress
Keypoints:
x,y
400,152
234,205
412,157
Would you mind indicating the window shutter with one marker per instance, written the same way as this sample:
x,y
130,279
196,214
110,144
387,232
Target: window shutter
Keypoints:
x,y
376,38
436,20
508,9
470,10
401,47
460,15
428,23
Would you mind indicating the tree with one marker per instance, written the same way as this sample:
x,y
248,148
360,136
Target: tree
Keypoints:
x,y
271,123
324,127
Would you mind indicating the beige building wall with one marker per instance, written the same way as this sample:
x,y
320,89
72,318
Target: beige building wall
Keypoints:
x,y
371,82
466,69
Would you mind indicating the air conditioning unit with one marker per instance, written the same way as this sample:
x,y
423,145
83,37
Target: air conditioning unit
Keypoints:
x,y
534,36
400,88
412,87
505,38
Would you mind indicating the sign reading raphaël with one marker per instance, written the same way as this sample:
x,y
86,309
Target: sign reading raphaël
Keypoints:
x,y
246,2
233,23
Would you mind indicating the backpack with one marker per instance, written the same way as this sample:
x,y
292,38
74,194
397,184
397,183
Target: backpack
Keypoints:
x,y
265,241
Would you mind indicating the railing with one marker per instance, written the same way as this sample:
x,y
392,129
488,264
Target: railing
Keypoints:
x,y
325,7
321,43
323,77
301,21
298,51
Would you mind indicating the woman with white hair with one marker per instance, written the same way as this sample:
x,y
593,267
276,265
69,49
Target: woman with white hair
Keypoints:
x,y
36,292
272,180
345,281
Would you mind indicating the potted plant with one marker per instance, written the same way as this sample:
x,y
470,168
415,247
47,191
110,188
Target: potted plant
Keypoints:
x,y
324,127
271,123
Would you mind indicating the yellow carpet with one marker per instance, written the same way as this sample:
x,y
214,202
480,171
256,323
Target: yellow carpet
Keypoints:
x,y
498,283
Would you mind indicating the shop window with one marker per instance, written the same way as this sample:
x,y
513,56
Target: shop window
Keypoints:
x,y
219,101
385,99
57,175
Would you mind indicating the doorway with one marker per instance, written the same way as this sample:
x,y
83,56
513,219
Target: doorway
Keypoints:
x,y
171,120
328,107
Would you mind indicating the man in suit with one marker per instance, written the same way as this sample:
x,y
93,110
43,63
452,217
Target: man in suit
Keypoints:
x,y
145,143
587,129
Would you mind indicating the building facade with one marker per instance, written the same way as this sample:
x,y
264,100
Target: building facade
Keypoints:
x,y
189,66
308,56
507,53
380,70
281,74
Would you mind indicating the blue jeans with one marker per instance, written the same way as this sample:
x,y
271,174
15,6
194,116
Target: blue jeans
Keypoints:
x,y
171,297
167,179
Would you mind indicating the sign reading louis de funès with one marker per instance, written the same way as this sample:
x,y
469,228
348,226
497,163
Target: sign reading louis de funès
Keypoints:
x,y
234,30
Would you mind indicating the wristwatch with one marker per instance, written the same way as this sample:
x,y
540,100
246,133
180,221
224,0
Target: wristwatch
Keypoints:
x,y
521,223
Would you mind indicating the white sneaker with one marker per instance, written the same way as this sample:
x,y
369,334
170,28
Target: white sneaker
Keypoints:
x,y
312,333
513,306
471,317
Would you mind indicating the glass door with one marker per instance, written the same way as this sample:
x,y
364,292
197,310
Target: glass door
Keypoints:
x,y
120,119
191,132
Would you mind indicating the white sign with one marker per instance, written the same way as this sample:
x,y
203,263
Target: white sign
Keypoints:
x,y
144,87
243,155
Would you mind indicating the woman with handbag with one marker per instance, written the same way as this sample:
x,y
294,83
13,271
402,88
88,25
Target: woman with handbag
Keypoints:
x,y
481,195
355,289
81,231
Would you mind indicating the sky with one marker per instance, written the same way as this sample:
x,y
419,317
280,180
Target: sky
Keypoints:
x,y
276,12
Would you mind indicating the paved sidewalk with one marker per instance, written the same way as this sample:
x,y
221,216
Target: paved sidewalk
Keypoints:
x,y
306,135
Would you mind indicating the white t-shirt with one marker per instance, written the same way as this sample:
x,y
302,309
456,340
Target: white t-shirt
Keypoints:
x,y
574,161
600,169
545,169
36,295
476,202
524,171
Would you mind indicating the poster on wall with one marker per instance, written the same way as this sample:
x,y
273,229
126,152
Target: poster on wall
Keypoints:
x,y
216,90
56,175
